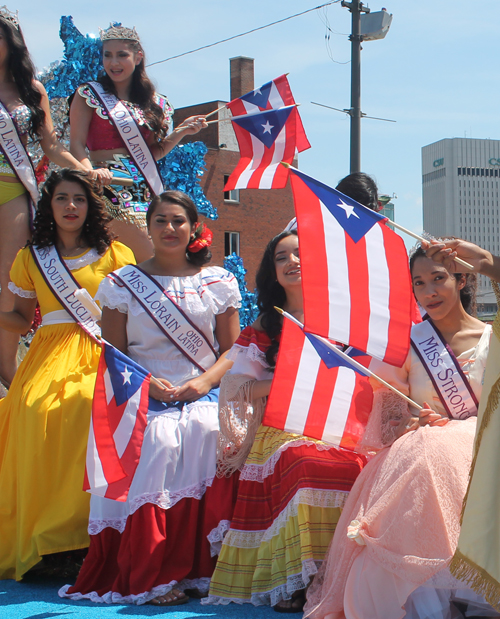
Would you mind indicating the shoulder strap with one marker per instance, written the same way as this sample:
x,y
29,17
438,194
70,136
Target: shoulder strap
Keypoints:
x,y
131,136
64,287
444,370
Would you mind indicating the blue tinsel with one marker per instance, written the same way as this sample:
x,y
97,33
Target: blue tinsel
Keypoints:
x,y
181,169
81,62
248,310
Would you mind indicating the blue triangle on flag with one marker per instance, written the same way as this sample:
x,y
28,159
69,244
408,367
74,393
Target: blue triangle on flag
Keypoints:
x,y
265,126
126,376
355,218
328,356
259,96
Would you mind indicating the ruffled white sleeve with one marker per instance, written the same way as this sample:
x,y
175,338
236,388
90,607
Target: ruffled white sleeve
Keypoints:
x,y
110,294
26,294
222,287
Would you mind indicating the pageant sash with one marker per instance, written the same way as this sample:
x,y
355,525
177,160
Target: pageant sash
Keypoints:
x,y
444,370
17,156
65,288
168,316
132,138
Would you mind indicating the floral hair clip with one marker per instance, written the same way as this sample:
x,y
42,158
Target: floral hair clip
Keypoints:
x,y
202,238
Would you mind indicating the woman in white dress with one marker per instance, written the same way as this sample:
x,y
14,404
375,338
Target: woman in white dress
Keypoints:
x,y
156,543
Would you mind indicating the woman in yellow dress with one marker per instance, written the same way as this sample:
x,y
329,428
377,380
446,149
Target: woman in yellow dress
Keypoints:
x,y
44,419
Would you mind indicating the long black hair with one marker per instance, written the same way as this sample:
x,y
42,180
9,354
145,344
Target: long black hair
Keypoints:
x,y
95,229
467,293
142,91
270,293
198,258
22,70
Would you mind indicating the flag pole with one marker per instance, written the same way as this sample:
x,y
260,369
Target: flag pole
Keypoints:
x,y
219,120
350,360
421,239
224,107
215,111
409,232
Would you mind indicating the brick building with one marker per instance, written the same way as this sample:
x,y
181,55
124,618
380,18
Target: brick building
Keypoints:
x,y
248,218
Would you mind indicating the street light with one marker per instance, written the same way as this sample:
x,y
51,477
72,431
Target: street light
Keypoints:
x,y
366,26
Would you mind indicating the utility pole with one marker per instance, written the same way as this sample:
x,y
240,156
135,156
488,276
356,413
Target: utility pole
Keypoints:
x,y
356,8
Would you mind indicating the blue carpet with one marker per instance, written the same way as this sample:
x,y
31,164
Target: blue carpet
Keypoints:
x,y
39,600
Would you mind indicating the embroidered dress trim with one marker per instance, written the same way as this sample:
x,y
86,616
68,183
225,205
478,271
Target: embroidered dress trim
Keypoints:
x,y
82,261
326,499
26,294
259,472
217,535
164,500
253,352
203,584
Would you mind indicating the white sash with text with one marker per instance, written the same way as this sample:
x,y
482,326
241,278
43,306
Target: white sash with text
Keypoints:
x,y
64,287
444,370
17,155
132,138
168,316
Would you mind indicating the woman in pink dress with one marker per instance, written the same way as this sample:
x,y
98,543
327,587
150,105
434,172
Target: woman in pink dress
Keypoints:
x,y
399,529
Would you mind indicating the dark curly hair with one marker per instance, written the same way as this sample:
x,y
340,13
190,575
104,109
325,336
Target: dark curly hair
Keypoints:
x,y
467,293
22,70
270,293
198,258
141,92
95,230
360,187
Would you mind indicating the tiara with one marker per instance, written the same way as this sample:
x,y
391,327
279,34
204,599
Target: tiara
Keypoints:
x,y
117,31
9,16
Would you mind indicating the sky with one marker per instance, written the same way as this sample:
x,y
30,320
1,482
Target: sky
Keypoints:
x,y
434,73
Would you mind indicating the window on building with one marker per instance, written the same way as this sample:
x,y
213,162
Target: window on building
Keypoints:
x,y
232,195
231,243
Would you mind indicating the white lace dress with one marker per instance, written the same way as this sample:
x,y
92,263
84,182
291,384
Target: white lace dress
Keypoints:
x,y
178,457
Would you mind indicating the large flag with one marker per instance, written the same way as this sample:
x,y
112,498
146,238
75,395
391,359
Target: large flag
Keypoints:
x,y
316,392
265,139
119,417
355,273
273,95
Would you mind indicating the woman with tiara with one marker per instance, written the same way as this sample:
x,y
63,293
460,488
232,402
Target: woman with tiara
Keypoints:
x,y
24,114
120,126
44,420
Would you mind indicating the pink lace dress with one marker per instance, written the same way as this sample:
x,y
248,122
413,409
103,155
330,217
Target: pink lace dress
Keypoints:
x,y
399,529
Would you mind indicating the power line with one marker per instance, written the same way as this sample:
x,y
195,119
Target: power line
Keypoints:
x,y
236,36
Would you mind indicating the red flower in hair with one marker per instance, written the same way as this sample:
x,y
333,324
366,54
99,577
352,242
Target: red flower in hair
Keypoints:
x,y
202,238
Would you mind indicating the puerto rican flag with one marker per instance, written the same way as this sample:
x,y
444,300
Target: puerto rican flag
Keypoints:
x,y
355,274
316,393
119,417
265,139
273,95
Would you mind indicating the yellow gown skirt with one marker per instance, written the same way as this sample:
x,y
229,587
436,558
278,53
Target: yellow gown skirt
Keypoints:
x,y
44,424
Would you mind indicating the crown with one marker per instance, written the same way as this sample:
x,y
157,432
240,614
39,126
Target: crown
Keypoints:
x,y
117,31
9,16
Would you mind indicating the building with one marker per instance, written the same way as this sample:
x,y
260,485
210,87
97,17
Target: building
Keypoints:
x,y
248,218
460,178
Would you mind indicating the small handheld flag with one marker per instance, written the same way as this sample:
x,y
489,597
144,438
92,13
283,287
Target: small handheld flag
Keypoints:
x,y
119,417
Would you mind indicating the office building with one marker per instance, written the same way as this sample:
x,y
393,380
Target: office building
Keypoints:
x,y
460,188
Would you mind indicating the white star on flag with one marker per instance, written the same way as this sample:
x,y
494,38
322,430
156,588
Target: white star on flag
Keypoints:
x,y
267,127
256,92
349,210
126,376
